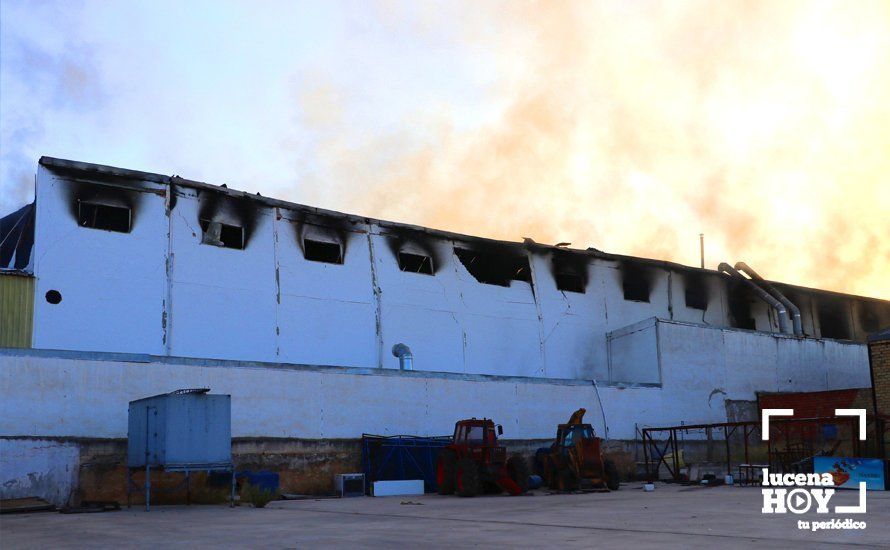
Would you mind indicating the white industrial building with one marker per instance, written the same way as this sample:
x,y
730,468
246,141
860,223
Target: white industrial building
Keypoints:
x,y
120,284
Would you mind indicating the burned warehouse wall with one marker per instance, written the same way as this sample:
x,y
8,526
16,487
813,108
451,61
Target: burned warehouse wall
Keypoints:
x,y
205,271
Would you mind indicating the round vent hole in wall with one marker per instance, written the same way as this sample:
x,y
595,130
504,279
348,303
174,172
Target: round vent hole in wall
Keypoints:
x,y
53,296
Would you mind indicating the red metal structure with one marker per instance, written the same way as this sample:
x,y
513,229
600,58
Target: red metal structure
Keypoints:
x,y
474,462
792,442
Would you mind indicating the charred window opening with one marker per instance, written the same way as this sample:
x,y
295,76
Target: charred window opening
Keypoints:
x,y
236,218
322,251
494,267
834,319
570,282
869,317
103,216
570,272
696,290
740,307
222,234
414,251
415,263
636,281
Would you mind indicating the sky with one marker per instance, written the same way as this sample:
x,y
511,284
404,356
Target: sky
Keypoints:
x,y
629,126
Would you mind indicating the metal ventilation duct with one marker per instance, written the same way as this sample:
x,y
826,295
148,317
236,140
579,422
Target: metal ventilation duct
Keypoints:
x,y
764,295
795,312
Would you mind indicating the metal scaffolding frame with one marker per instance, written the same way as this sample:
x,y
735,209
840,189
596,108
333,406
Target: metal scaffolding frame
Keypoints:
x,y
666,451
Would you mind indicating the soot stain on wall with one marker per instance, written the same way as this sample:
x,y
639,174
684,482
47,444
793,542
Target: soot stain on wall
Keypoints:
x,y
570,270
740,298
397,239
636,280
873,316
834,317
337,226
695,289
215,206
81,191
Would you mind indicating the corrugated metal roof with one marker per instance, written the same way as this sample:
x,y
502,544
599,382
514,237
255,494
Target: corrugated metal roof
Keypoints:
x,y
17,239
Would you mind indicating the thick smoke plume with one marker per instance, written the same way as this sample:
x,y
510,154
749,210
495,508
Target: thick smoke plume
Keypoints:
x,y
634,126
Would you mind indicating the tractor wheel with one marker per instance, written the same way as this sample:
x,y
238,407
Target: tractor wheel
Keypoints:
x,y
568,481
554,474
541,458
467,478
562,477
545,470
446,467
611,473
517,469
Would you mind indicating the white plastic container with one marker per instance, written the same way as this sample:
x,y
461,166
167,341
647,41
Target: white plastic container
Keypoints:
x,y
397,488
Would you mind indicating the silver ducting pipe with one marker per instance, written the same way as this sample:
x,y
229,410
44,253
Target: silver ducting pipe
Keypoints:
x,y
406,358
793,309
764,295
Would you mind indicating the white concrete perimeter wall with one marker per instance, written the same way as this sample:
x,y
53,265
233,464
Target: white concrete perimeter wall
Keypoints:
x,y
46,469
46,396
86,395
702,367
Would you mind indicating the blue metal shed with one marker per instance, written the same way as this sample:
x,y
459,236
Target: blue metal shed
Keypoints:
x,y
181,431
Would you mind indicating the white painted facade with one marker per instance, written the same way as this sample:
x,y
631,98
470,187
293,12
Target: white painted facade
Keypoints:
x,y
158,290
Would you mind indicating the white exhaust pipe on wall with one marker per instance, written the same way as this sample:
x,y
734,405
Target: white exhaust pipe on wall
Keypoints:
x,y
406,358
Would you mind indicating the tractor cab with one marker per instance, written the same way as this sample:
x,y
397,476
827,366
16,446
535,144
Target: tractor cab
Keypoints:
x,y
478,438
575,460
568,435
477,433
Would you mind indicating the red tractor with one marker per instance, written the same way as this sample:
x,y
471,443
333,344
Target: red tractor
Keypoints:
x,y
474,462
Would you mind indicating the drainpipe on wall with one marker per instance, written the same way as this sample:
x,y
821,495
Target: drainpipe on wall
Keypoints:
x,y
764,295
406,358
793,309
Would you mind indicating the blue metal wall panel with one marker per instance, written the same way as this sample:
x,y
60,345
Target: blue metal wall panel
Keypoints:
x,y
199,429
172,430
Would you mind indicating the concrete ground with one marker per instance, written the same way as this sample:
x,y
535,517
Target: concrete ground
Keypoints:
x,y
670,517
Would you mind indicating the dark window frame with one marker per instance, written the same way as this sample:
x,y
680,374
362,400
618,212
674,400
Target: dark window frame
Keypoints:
x,y
104,217
409,262
227,234
636,283
494,267
569,282
321,251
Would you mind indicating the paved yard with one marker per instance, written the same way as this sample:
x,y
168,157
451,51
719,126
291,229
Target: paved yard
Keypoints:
x,y
670,517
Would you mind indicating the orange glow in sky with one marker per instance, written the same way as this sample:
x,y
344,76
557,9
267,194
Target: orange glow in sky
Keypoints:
x,y
634,126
